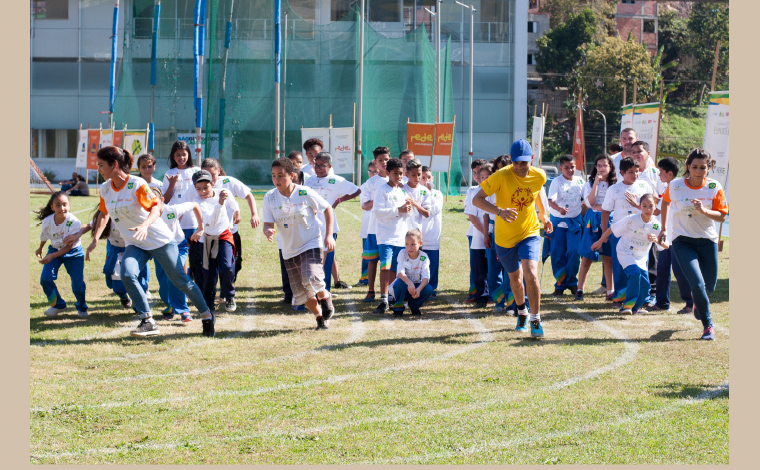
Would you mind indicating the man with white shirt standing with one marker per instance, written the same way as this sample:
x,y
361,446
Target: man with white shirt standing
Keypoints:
x,y
627,139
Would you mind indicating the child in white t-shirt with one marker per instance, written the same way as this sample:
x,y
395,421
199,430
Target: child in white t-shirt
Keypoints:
x,y
146,165
431,227
392,208
478,259
418,195
364,279
413,276
58,223
636,233
293,210
366,199
218,244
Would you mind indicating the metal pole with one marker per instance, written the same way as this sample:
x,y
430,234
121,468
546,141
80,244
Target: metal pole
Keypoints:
x,y
153,67
284,75
438,111
361,94
277,39
223,91
112,87
604,118
472,79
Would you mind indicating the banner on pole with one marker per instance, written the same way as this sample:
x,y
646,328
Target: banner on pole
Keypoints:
x,y
93,145
644,122
716,136
341,147
81,161
135,142
118,139
213,152
444,144
106,138
537,139
579,142
419,139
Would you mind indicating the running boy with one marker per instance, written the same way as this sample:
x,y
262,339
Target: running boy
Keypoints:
x,y
413,275
293,210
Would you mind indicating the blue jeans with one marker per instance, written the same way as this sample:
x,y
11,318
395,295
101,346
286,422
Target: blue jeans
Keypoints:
x,y
73,261
168,257
564,251
478,271
223,268
664,261
637,289
497,279
400,293
169,293
618,273
329,260
112,255
194,256
698,258
434,263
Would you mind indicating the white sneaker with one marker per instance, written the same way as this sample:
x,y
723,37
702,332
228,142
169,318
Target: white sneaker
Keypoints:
x,y
52,311
148,296
601,291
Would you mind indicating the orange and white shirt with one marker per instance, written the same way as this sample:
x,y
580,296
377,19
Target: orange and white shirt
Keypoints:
x,y
687,221
128,207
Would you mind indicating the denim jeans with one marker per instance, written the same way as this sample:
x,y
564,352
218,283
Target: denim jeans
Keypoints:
x,y
169,293
168,257
73,261
665,260
698,258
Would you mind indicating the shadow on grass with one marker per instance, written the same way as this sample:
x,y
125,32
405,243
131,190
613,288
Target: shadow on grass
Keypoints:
x,y
677,390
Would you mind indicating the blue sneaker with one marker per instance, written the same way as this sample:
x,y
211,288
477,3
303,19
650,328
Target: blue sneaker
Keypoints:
x,y
536,330
522,323
369,298
708,334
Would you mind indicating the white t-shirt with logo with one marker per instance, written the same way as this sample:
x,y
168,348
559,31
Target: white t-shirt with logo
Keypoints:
x,y
469,209
215,216
331,187
366,215
615,201
432,226
372,183
392,225
601,192
184,191
172,215
687,221
616,161
568,194
652,176
115,237
421,194
415,269
295,218
633,246
237,189
129,207
57,232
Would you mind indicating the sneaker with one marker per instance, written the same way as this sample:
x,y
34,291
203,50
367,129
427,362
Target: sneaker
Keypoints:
x,y
186,317
657,308
230,305
522,322
299,308
536,330
168,316
558,292
434,295
342,285
626,311
381,308
361,283
578,295
208,326
327,307
609,296
649,305
512,311
145,328
499,308
82,313
398,313
166,310
708,334
471,299
288,299
148,295
321,325
52,311
600,291
481,303
370,297
416,312
641,311
127,303
686,310
573,289
616,304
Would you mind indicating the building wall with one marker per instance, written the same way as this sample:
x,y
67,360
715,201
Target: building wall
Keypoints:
x,y
635,18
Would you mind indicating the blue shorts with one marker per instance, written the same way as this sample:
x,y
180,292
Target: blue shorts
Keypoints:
x,y
389,257
369,247
529,249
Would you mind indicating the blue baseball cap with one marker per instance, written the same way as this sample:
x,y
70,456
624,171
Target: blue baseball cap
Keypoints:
x,y
521,151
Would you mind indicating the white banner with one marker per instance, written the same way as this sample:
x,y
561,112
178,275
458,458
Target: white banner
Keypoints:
x,y
190,139
106,137
81,161
645,122
716,136
537,139
341,148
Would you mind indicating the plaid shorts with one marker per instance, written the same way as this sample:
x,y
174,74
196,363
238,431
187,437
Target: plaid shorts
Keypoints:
x,y
306,275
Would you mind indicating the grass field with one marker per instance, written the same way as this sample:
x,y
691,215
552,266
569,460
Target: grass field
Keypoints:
x,y
455,386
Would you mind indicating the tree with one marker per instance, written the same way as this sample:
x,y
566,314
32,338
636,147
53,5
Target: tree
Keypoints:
x,y
604,11
560,49
610,65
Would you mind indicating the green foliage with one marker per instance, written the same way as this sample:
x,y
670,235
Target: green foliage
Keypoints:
x,y
49,174
682,129
561,11
561,48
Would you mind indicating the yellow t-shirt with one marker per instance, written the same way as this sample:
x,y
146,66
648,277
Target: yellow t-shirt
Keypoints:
x,y
513,192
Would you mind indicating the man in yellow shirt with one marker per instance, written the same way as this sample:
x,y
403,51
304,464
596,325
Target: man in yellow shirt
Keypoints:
x,y
518,187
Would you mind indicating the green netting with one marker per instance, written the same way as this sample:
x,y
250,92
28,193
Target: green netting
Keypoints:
x,y
319,78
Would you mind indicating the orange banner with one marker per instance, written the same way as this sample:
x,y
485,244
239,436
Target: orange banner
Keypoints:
x,y
118,139
579,143
444,139
93,145
419,138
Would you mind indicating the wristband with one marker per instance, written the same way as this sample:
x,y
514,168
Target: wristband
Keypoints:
x,y
499,213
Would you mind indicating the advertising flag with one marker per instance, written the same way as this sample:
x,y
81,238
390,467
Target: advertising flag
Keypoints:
x,y
644,122
135,141
444,144
579,142
341,147
419,139
716,136
81,161
93,145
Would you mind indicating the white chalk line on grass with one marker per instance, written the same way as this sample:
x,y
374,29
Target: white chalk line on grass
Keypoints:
x,y
508,397
350,213
521,441
484,338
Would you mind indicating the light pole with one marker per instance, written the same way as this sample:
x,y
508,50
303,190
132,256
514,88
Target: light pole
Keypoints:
x,y
472,74
604,118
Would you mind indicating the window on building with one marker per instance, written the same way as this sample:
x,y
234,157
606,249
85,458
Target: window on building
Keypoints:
x,y
306,9
532,4
649,26
532,26
50,9
387,11
631,2
531,59
54,143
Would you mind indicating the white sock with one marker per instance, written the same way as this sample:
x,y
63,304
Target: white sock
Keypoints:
x,y
384,298
150,320
610,292
535,317
522,312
